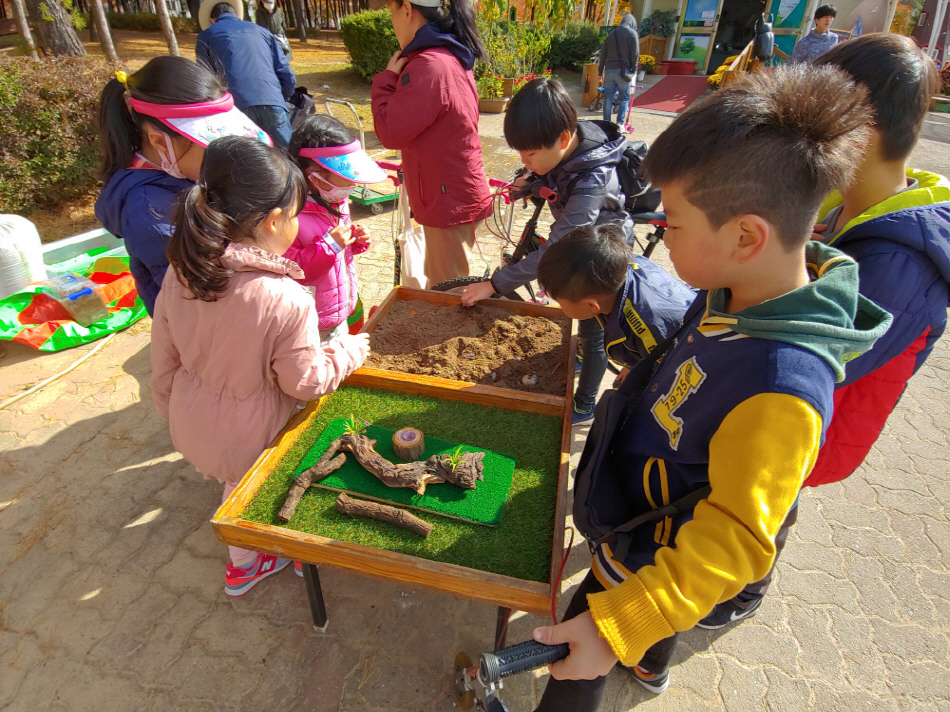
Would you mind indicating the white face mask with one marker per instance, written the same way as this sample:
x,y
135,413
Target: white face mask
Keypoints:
x,y
170,162
332,193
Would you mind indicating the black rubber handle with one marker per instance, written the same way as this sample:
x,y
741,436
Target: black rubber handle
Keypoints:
x,y
519,658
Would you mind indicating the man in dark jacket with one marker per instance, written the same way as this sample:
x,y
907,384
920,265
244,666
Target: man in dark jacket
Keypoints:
x,y
252,62
619,60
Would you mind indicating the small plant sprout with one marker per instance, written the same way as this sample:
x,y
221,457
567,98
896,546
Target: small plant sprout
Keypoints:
x,y
455,458
354,426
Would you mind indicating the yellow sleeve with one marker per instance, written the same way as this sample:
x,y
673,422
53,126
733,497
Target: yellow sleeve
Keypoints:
x,y
758,458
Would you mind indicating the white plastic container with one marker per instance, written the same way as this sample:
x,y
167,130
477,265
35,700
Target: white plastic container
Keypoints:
x,y
21,255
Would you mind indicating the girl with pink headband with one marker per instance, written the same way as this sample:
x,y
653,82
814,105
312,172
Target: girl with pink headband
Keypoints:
x,y
333,164
154,126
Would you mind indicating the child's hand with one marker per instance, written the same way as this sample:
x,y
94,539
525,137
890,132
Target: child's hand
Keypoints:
x,y
591,656
360,236
361,341
817,232
476,293
342,235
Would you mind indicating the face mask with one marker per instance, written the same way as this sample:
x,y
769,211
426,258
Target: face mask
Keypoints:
x,y
332,194
170,162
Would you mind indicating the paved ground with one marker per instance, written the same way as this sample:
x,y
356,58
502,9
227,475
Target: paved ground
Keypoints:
x,y
111,579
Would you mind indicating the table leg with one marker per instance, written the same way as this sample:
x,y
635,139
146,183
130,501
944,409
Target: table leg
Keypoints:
x,y
501,627
318,608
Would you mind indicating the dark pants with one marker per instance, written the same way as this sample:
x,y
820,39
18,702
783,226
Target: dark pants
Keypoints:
x,y
590,344
586,695
754,592
275,120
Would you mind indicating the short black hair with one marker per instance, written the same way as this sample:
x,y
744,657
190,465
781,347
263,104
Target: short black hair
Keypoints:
x,y
588,261
774,145
826,11
220,9
900,80
538,114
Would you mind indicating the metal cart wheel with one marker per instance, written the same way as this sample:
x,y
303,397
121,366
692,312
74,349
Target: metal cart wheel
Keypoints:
x,y
376,208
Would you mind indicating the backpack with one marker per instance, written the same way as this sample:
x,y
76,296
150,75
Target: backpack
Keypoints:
x,y
640,196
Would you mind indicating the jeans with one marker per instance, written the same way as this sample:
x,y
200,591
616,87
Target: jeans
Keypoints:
x,y
614,82
275,120
586,695
590,344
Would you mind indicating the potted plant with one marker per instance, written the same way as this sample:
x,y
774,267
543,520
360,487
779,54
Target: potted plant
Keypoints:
x,y
519,82
490,99
654,31
647,64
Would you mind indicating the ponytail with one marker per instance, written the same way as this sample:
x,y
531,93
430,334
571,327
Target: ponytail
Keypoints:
x,y
459,21
242,181
119,135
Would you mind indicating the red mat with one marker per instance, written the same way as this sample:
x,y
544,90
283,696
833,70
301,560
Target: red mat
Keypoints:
x,y
672,94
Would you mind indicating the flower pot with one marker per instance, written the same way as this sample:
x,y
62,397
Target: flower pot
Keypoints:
x,y
683,67
653,46
508,86
492,106
640,75
661,68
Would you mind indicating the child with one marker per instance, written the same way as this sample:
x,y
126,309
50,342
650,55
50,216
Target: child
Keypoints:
x,y
578,160
819,40
235,343
151,145
895,221
592,275
738,405
333,163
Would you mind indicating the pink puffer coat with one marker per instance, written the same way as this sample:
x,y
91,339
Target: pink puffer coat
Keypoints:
x,y
327,268
228,374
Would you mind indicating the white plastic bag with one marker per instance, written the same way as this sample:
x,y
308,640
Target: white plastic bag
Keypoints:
x,y
21,255
412,247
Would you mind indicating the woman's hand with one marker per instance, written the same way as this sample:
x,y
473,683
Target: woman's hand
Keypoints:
x,y
476,293
591,656
396,62
342,235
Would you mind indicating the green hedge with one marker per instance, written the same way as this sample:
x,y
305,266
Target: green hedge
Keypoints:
x,y
148,22
370,40
574,45
49,144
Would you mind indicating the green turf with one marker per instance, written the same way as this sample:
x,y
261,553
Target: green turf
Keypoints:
x,y
484,504
520,546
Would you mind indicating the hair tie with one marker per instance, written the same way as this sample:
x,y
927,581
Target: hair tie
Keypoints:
x,y
123,78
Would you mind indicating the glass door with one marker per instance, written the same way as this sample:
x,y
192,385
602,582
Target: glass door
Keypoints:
x,y
697,31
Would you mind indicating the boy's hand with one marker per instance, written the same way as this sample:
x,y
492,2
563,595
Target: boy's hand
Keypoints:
x,y
817,232
396,62
342,235
620,376
476,293
360,236
591,656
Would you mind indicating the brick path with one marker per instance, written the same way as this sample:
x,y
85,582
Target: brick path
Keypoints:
x,y
111,578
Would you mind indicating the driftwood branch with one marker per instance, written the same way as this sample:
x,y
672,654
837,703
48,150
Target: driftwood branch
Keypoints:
x,y
324,467
383,513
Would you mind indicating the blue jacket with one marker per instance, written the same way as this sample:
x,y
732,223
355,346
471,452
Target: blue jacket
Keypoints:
x,y
588,194
138,206
249,59
648,309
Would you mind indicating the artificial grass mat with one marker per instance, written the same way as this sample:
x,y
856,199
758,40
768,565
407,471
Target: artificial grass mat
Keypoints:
x,y
519,547
484,504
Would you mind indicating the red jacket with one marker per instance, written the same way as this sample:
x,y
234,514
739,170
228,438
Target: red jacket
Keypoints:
x,y
430,113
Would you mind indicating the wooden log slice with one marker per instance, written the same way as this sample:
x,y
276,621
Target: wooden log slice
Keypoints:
x,y
409,444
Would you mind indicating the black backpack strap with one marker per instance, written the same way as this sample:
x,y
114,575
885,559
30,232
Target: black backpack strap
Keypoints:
x,y
621,538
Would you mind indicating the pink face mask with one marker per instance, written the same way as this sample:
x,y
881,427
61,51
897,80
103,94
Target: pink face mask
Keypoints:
x,y
169,163
332,193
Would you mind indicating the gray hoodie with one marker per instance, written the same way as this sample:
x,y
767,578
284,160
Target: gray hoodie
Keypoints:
x,y
621,49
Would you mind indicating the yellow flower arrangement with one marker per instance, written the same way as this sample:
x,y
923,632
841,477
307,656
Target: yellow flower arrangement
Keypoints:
x,y
647,63
715,79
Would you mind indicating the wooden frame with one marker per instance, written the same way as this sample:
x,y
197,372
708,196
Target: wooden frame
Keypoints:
x,y
506,591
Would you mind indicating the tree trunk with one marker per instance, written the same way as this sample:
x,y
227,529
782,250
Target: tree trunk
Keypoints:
x,y
23,26
167,28
300,21
54,28
100,22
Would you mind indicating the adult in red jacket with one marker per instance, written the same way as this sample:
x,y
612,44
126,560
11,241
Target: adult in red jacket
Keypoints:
x,y
425,104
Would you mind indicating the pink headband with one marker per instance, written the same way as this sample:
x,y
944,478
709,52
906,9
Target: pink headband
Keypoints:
x,y
183,111
330,151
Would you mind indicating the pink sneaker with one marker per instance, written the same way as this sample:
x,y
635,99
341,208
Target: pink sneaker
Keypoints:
x,y
298,569
238,581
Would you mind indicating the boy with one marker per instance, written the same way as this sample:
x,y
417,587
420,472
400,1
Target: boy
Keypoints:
x,y
895,221
740,401
819,40
592,275
578,160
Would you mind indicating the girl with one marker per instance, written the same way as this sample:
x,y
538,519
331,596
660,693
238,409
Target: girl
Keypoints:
x,y
333,163
151,146
235,342
426,104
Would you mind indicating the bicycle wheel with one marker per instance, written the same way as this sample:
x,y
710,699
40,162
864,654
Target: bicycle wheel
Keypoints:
x,y
458,285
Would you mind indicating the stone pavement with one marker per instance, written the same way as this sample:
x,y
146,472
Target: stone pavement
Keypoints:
x,y
111,578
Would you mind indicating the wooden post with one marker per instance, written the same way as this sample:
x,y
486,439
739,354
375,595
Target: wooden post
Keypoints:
x,y
23,26
167,28
100,22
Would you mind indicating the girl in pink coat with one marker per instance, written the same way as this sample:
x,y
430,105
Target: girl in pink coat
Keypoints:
x,y
235,340
333,163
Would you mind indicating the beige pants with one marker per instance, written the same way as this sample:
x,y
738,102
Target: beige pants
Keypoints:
x,y
447,251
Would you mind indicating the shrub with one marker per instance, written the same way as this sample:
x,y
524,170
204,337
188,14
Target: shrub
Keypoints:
x,y
574,44
146,22
525,78
49,146
513,48
370,40
490,86
662,23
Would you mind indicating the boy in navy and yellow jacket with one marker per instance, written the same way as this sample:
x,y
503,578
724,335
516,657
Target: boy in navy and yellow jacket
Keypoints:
x,y
895,222
741,400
